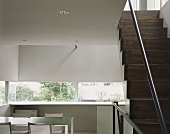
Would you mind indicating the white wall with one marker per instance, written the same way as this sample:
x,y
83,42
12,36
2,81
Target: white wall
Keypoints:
x,y
65,63
164,13
5,110
85,116
143,5
0,21
8,62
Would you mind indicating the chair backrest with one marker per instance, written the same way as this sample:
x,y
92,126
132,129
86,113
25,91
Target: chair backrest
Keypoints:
x,y
5,128
58,129
39,128
34,113
26,115
54,115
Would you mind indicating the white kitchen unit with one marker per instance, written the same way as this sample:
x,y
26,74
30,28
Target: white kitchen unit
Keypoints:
x,y
105,119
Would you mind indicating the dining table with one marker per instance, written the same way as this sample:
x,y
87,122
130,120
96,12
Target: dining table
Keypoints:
x,y
59,121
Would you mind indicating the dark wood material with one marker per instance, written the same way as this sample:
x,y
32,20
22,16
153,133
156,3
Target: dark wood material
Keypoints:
x,y
138,72
154,57
145,109
144,15
142,109
150,126
146,33
140,90
150,44
128,23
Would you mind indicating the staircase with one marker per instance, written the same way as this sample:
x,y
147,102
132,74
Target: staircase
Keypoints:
x,y
157,46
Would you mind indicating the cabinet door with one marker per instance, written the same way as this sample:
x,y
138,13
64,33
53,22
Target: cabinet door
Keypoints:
x,y
104,119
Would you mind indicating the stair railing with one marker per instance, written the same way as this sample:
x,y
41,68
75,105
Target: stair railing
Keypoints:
x,y
121,116
149,74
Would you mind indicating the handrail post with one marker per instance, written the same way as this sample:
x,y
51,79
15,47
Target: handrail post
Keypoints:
x,y
114,121
125,116
121,124
151,82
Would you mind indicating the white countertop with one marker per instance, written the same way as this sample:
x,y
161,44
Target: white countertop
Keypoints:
x,y
64,103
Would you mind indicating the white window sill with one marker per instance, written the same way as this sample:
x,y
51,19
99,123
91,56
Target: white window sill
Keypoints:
x,y
65,103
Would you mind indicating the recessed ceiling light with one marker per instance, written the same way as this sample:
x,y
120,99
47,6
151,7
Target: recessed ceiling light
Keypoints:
x,y
64,12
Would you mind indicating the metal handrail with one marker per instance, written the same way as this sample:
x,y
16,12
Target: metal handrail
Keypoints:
x,y
128,119
149,74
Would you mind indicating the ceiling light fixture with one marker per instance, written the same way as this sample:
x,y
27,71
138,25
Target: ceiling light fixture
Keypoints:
x,y
64,12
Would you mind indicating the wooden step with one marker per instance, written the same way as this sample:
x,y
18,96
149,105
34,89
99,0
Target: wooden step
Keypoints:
x,y
146,33
143,15
157,46
149,44
137,72
154,57
141,90
150,126
145,109
128,23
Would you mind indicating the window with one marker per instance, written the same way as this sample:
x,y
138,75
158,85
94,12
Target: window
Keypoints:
x,y
100,91
2,92
65,91
42,91
149,4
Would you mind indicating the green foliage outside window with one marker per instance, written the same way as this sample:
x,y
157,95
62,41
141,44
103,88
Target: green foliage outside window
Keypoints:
x,y
24,93
2,94
49,91
58,91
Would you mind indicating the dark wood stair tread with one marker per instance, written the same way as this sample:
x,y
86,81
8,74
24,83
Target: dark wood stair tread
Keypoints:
x,y
138,71
141,14
154,57
149,44
146,33
145,109
128,23
146,121
141,89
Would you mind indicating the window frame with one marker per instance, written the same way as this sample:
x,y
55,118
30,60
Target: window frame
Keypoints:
x,y
76,99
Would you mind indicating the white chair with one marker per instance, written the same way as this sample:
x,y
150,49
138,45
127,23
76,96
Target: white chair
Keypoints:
x,y
21,129
5,128
39,128
55,129
33,113
23,115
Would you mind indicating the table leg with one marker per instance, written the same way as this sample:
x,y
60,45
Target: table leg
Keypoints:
x,y
72,126
66,129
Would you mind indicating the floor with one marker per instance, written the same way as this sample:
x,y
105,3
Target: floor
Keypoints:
x,y
74,133
84,133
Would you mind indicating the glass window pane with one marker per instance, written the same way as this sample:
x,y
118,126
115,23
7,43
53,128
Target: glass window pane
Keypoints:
x,y
101,92
2,92
42,91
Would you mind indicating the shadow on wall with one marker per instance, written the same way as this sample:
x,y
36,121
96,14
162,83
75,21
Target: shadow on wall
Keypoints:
x,y
5,110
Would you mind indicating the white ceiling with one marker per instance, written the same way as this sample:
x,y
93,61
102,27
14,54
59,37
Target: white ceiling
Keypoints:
x,y
40,22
